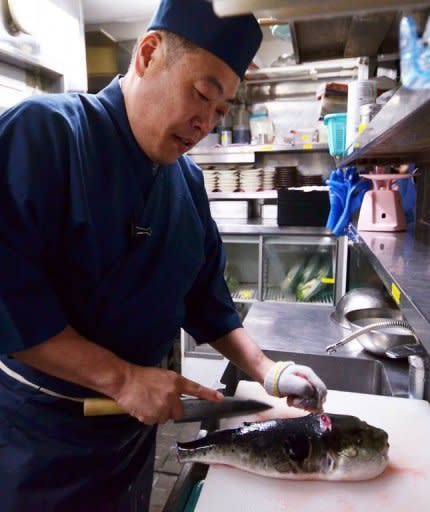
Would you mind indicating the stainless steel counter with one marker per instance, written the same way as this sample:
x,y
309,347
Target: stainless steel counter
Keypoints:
x,y
307,328
266,227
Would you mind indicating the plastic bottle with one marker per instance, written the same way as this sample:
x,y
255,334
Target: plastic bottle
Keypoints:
x,y
241,130
262,129
225,129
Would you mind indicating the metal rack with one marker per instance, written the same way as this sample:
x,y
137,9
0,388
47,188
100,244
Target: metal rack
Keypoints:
x,y
401,261
399,133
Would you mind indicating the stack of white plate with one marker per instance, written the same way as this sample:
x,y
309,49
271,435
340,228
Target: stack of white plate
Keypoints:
x,y
269,178
250,180
227,180
211,180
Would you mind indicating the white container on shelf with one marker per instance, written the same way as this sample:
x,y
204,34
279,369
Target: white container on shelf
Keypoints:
x,y
262,128
360,92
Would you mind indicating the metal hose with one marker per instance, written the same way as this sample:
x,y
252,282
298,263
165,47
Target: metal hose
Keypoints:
x,y
363,330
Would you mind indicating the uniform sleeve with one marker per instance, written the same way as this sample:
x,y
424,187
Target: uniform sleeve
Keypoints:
x,y
210,311
8,330
31,195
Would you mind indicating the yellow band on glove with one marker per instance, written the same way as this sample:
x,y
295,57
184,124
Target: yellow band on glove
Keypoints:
x,y
271,381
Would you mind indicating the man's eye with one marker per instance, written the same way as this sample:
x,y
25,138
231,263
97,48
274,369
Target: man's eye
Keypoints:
x,y
202,96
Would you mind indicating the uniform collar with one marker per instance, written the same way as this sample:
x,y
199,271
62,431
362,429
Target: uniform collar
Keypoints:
x,y
112,98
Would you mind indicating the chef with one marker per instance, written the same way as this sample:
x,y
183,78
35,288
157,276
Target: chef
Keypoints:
x,y
107,249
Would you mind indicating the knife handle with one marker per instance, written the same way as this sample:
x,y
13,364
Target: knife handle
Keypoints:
x,y
101,407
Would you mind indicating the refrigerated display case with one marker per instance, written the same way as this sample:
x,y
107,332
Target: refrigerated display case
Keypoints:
x,y
242,270
282,265
299,269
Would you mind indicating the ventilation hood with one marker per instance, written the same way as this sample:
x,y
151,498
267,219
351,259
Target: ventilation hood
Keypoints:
x,y
305,9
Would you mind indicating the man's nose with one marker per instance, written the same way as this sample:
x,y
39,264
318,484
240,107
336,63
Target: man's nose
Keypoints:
x,y
204,122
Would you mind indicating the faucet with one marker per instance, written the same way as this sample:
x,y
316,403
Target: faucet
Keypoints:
x,y
331,349
419,366
418,357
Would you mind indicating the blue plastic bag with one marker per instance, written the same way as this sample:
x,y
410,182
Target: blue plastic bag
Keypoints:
x,y
408,194
414,55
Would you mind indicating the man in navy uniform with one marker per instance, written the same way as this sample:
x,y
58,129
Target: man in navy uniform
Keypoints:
x,y
107,249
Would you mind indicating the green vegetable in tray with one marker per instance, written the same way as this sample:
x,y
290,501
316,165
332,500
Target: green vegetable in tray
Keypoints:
x,y
293,275
311,269
307,289
232,283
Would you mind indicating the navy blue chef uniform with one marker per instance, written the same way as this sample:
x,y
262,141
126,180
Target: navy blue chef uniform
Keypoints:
x,y
75,191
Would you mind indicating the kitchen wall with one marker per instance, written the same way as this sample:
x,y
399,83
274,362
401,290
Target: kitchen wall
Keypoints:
x,y
41,52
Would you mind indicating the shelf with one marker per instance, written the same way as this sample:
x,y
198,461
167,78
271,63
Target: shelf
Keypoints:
x,y
265,148
245,293
398,134
274,294
304,240
245,153
265,194
402,262
267,227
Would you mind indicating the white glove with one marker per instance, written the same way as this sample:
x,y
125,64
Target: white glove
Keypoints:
x,y
299,383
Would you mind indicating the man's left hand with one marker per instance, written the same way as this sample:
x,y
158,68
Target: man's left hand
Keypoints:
x,y
300,384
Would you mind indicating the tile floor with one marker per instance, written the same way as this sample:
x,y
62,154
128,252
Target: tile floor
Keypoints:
x,y
167,468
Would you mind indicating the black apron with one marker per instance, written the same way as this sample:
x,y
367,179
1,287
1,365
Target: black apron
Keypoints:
x,y
52,458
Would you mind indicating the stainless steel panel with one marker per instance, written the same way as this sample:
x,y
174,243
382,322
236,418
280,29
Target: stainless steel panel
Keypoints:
x,y
339,373
398,133
307,329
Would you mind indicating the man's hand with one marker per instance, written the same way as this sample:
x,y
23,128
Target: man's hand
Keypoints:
x,y
300,384
153,395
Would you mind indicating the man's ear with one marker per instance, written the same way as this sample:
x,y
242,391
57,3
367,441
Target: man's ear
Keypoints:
x,y
145,52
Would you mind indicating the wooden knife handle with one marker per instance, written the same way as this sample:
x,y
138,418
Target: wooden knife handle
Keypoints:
x,y
101,407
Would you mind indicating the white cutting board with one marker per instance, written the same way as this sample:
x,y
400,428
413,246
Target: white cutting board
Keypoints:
x,y
403,487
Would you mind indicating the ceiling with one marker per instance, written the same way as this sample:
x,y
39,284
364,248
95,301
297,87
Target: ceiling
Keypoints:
x,y
106,11
311,39
124,21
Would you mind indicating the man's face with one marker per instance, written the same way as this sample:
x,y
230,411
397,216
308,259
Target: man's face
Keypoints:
x,y
172,108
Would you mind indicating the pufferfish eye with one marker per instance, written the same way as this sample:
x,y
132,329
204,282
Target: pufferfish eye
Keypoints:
x,y
327,463
351,452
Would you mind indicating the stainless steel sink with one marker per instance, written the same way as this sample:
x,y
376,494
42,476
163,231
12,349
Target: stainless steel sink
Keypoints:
x,y
340,373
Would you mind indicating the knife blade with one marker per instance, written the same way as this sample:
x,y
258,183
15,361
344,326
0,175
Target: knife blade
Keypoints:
x,y
195,409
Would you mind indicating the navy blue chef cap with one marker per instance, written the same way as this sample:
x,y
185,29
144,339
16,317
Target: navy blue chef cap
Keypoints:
x,y
235,40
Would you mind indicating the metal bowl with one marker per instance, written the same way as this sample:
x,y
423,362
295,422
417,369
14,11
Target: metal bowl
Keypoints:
x,y
379,341
360,298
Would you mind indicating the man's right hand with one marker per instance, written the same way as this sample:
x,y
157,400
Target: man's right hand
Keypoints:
x,y
153,395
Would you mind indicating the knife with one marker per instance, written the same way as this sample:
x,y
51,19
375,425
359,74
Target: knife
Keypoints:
x,y
195,409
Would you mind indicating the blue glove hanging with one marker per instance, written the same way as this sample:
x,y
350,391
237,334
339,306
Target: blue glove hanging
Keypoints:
x,y
337,196
353,202
346,193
